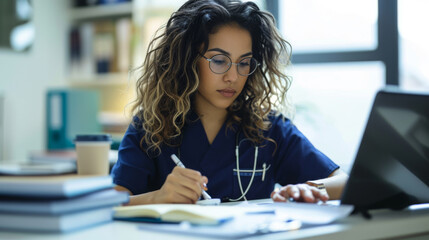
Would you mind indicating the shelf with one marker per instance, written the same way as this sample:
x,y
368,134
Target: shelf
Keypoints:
x,y
108,79
101,11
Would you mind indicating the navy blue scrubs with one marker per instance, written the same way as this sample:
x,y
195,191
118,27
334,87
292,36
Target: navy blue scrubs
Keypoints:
x,y
292,160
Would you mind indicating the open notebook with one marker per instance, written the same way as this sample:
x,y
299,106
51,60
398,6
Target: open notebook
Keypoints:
x,y
195,214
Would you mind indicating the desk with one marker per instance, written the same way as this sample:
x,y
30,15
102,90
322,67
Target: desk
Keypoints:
x,y
406,224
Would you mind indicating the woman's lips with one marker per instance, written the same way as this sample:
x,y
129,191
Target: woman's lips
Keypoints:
x,y
227,92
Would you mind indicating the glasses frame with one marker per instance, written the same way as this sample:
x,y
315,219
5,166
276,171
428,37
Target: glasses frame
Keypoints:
x,y
230,64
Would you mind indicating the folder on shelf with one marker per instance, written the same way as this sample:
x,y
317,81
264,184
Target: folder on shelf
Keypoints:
x,y
70,112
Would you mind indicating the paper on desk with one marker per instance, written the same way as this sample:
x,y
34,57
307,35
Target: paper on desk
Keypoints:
x,y
286,217
239,227
311,213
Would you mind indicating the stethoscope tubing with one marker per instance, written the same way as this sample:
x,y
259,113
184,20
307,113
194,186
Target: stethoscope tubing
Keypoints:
x,y
237,163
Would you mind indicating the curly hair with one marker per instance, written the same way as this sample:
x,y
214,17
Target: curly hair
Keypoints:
x,y
169,80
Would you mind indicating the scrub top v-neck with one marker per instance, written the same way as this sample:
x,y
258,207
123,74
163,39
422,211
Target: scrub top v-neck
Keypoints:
x,y
292,159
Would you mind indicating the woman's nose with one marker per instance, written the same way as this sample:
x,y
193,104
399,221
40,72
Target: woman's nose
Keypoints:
x,y
232,74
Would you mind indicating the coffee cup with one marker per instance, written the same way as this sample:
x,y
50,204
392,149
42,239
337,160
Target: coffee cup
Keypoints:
x,y
93,154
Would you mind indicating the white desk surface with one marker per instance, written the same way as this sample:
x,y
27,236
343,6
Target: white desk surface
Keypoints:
x,y
405,224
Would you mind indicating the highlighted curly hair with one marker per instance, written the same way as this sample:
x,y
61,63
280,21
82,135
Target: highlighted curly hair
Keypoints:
x,y
169,80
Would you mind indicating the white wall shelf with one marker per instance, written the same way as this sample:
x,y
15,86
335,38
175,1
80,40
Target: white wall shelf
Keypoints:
x,y
102,11
106,79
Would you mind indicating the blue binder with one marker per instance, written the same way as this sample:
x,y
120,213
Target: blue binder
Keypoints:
x,y
70,112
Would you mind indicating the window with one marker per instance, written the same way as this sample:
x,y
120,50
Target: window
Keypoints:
x,y
332,102
329,25
414,48
343,52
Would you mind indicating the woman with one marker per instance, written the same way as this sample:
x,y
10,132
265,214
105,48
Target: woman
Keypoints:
x,y
208,91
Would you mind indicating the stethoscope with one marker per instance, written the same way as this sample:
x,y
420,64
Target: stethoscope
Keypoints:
x,y
237,163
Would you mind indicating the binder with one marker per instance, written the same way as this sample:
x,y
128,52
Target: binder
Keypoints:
x,y
70,112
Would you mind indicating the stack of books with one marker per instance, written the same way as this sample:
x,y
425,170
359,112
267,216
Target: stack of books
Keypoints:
x,y
57,203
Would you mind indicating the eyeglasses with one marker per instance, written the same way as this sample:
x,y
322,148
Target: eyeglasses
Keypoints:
x,y
221,63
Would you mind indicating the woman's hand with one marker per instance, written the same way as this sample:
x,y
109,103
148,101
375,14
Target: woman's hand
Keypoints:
x,y
334,185
182,185
299,193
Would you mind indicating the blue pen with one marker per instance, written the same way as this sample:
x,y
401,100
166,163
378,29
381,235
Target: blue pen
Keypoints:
x,y
180,164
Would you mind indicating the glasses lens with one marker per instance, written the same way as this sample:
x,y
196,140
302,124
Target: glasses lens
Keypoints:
x,y
247,66
220,63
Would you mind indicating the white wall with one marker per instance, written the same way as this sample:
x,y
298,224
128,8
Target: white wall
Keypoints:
x,y
25,77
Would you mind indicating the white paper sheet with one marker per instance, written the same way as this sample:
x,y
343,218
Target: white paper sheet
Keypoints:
x,y
311,213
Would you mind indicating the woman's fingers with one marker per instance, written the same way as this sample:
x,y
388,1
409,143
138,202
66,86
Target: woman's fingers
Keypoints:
x,y
306,195
320,194
299,193
182,186
191,174
197,181
285,193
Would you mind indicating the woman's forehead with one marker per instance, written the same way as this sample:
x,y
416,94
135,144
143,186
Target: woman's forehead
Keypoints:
x,y
232,39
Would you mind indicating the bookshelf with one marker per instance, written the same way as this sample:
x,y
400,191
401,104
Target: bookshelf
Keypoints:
x,y
107,41
99,57
100,40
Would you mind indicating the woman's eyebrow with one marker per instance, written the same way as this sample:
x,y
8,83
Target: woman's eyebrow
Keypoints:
x,y
227,53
